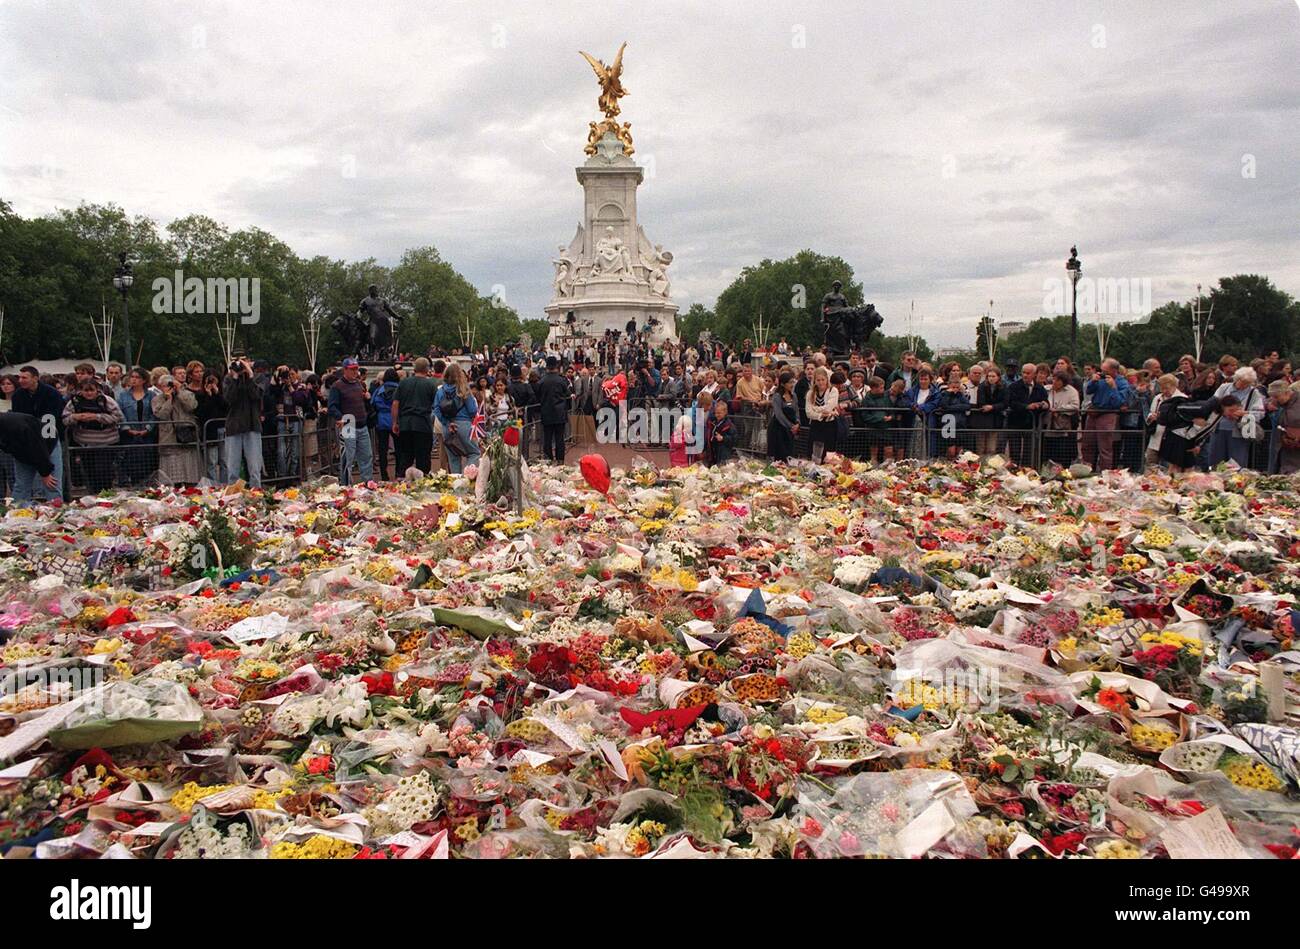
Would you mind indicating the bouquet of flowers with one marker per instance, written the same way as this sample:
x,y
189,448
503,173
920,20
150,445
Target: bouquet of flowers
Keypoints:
x,y
977,607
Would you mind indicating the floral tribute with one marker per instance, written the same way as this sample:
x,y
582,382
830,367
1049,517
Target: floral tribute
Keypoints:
x,y
804,662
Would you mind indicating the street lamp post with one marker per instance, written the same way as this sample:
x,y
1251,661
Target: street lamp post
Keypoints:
x,y
1074,269
122,280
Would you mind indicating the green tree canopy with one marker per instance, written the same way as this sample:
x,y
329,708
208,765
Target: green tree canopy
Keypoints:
x,y
788,293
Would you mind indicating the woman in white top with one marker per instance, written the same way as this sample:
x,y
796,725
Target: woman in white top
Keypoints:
x,y
1168,385
821,405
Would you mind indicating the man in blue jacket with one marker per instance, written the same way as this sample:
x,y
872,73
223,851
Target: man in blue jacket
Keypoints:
x,y
1108,391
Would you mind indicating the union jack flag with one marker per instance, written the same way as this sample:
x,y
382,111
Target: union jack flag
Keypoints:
x,y
478,429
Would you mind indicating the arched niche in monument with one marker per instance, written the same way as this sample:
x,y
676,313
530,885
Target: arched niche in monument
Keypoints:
x,y
610,213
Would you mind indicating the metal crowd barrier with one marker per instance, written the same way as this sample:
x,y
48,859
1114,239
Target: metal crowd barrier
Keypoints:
x,y
930,436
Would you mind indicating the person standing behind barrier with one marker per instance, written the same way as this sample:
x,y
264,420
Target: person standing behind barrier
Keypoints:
x,y
1108,392
243,423
288,412
948,416
1025,397
699,415
783,428
801,388
1169,393
921,397
211,416
8,384
900,419
720,436
349,407
43,402
877,419
383,398
455,409
989,411
412,418
821,407
94,424
178,449
139,435
553,395
749,390
1062,419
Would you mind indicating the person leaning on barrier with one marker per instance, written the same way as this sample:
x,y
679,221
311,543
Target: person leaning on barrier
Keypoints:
x,y
93,422
20,437
1287,426
43,402
1232,438
1189,425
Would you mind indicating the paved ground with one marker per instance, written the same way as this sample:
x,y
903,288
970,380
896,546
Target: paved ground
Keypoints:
x,y
616,455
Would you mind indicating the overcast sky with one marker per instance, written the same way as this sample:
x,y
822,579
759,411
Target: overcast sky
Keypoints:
x,y
950,151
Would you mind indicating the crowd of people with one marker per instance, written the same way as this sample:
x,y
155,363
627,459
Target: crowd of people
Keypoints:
x,y
254,421
1103,414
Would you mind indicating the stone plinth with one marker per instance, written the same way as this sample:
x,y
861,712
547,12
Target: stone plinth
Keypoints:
x,y
610,273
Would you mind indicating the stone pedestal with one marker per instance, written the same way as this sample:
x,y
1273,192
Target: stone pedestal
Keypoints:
x,y
610,273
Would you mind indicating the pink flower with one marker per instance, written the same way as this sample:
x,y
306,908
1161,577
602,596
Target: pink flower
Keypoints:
x,y
471,471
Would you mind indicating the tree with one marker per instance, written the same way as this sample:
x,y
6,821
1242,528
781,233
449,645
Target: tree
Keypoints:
x,y
788,293
890,349
694,321
537,330
986,337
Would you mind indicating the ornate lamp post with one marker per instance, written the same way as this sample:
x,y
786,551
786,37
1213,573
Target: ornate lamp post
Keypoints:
x,y
1074,269
122,280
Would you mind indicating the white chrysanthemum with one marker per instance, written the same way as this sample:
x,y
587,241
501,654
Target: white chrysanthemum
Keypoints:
x,y
855,570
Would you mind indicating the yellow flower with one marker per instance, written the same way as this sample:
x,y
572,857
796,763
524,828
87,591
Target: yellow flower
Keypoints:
x,y
800,645
105,646
192,793
1117,850
319,847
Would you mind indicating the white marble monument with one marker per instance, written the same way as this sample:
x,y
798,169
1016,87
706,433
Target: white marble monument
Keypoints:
x,y
610,273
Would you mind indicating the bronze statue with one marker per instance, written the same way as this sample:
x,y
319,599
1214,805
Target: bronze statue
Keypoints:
x,y
845,326
383,322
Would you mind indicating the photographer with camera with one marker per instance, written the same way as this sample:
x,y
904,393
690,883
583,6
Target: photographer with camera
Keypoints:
x,y
243,422
287,395
176,409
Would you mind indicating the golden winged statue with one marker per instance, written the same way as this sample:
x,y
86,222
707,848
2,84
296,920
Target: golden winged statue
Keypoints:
x,y
610,78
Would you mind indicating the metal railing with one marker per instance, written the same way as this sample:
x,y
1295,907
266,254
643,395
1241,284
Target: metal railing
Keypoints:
x,y
1051,437
310,448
